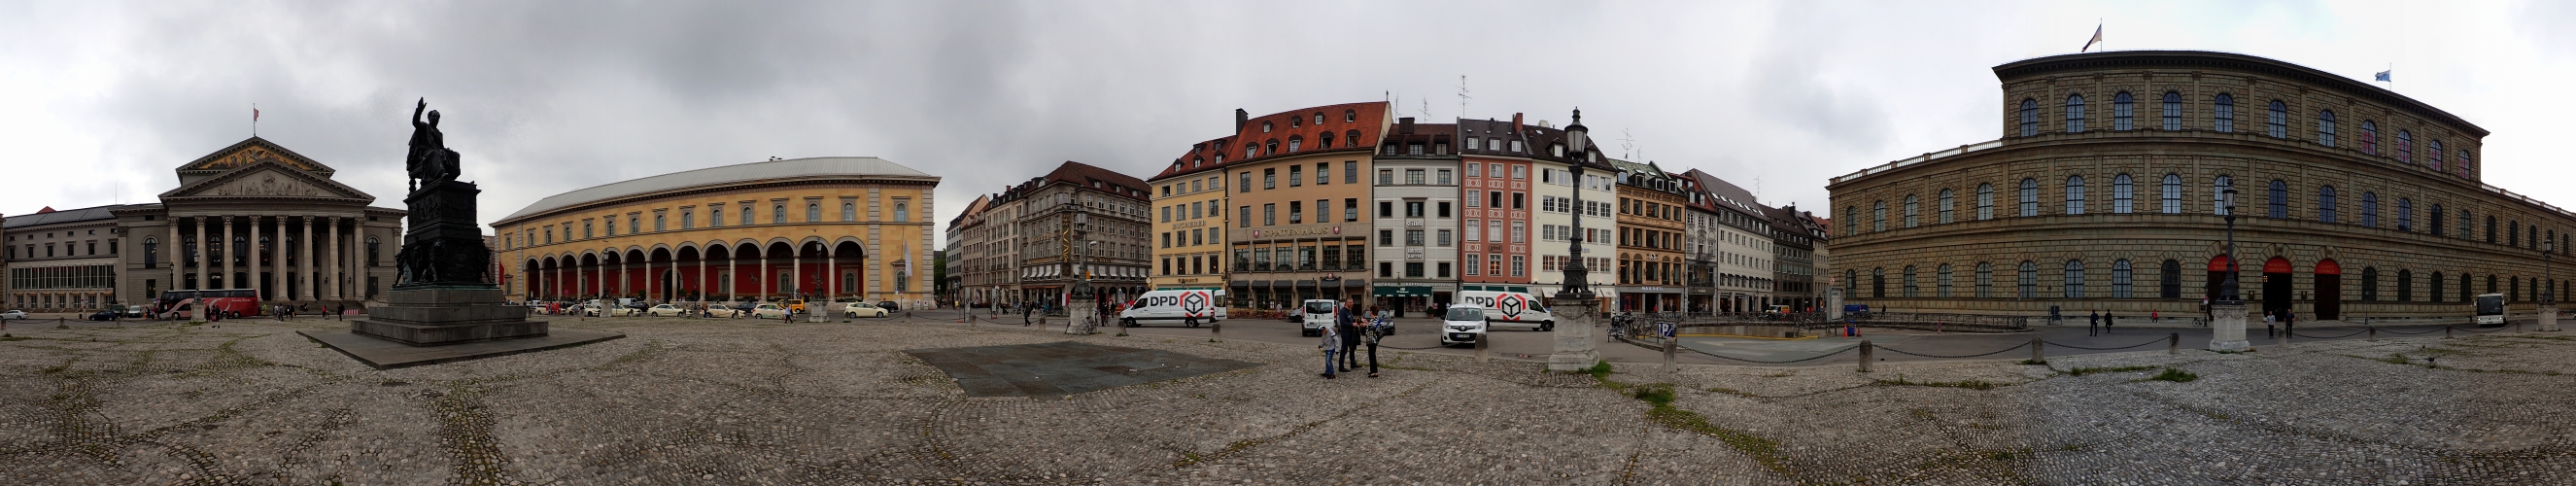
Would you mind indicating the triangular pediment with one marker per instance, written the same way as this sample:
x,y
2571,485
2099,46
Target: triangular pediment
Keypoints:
x,y
250,151
267,179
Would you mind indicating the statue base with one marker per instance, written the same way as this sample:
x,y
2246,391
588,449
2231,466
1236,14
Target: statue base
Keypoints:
x,y
2548,317
1576,349
446,315
2227,327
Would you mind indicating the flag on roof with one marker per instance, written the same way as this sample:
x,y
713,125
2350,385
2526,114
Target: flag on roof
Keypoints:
x,y
2097,38
2382,76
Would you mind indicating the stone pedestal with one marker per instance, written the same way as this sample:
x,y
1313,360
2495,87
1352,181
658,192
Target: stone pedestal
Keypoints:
x,y
2227,327
436,316
2548,317
1575,320
1075,316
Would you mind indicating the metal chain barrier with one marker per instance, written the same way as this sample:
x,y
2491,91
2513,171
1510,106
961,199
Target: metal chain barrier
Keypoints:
x,y
2158,340
2016,346
2354,333
2427,331
1845,349
2497,329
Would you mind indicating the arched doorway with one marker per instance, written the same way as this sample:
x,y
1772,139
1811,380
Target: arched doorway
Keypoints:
x,y
2276,285
2217,277
2329,282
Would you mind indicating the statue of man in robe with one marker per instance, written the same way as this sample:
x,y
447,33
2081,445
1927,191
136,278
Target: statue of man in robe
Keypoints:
x,y
430,161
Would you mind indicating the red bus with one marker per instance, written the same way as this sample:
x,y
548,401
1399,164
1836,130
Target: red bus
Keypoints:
x,y
232,302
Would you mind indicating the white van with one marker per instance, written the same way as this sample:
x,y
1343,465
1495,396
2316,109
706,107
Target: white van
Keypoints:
x,y
1462,324
1187,307
1516,309
1318,314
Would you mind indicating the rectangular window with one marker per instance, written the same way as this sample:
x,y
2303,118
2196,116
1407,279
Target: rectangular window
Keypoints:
x,y
1413,209
1386,209
1413,176
1350,172
1518,198
1475,265
1243,217
1350,209
1442,238
1296,212
1323,173
1473,228
1441,177
1412,237
1385,237
1519,172
1356,255
1270,214
1475,199
1246,184
1167,242
1520,232
1412,269
1167,212
1494,231
1520,264
1386,177
1474,169
1386,269
1270,178
1443,210
1296,175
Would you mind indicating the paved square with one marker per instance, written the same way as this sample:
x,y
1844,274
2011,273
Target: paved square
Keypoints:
x,y
1063,368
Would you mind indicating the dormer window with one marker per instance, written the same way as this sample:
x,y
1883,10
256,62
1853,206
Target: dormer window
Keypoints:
x,y
1350,116
1265,127
1556,149
1319,118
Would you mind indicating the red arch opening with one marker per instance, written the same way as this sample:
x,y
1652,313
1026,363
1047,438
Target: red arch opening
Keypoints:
x,y
2218,263
2276,265
2328,267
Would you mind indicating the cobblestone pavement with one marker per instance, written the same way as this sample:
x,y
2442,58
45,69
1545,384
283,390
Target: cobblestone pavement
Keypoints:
x,y
757,402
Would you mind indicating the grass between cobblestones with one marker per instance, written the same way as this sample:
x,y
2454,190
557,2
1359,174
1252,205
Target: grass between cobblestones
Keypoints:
x,y
1660,395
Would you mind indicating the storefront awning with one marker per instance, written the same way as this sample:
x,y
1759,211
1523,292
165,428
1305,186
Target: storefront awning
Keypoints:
x,y
1401,291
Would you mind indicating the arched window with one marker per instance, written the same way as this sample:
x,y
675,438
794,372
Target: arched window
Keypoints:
x,y
2468,225
2029,197
2436,213
2029,117
2218,192
1985,280
2464,165
1985,202
2326,204
2120,194
2279,120
1878,216
151,252
1909,211
1941,280
2224,120
2434,159
2406,147
373,250
747,215
2173,110
2326,128
2120,111
2279,200
1851,220
2369,284
2370,137
2405,215
813,212
2491,220
2074,194
778,214
1878,282
2173,194
2029,280
658,219
1945,206
2369,210
2405,285
2169,280
2074,279
2074,113
849,211
1265,126
1909,283
2119,279
2433,290
902,211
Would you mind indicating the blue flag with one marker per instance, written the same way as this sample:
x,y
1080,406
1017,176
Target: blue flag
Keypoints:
x,y
2382,76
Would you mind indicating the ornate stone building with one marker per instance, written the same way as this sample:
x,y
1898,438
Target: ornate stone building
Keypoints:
x,y
253,215
2105,192
1652,215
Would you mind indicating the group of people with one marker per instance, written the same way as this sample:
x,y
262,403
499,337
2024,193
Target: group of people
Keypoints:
x,y
1351,328
2101,323
2283,317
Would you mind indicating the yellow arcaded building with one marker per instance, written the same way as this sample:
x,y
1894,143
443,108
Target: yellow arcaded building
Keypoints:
x,y
813,228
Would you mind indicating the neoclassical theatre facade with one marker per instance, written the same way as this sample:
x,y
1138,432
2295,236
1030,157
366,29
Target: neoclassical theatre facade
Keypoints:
x,y
2107,188
811,228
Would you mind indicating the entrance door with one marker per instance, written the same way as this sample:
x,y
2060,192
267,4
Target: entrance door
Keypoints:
x,y
2276,284
2217,277
2329,282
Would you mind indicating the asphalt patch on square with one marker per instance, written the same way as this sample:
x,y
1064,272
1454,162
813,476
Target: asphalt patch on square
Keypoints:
x,y
1064,367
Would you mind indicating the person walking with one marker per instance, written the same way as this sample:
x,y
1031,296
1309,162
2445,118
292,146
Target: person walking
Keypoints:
x,y
2093,324
1332,342
2106,323
2289,323
2269,332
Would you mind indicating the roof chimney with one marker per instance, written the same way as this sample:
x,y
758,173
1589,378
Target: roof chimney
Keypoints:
x,y
1404,125
1240,118
1516,123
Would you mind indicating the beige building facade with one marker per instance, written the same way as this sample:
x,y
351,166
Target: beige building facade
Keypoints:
x,y
2107,189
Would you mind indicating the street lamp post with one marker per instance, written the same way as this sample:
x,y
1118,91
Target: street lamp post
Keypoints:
x,y
1574,307
2227,289
2227,312
1077,248
2549,295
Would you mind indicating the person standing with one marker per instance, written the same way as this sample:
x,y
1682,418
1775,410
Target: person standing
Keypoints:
x,y
1376,330
2093,324
1348,319
2106,323
2289,323
2268,330
1332,343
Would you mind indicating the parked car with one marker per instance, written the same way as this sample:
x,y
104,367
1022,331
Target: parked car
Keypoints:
x,y
13,314
768,311
1463,324
613,311
133,311
719,310
103,315
666,310
796,305
888,305
862,309
744,306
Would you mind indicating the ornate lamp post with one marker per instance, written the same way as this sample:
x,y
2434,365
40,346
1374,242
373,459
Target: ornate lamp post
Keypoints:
x,y
1574,307
2227,312
2549,295
1077,252
2227,288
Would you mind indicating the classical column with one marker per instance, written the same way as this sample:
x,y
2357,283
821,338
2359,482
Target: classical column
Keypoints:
x,y
229,281
205,259
730,276
179,260
764,276
331,269
304,262
702,276
831,277
277,262
650,278
796,272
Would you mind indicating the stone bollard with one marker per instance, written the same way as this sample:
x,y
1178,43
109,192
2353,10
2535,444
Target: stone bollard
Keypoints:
x,y
2173,344
2446,332
2036,345
2374,333
1480,347
1671,344
1868,353
1216,331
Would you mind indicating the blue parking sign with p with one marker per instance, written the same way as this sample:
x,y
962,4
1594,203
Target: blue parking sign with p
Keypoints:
x,y
1666,328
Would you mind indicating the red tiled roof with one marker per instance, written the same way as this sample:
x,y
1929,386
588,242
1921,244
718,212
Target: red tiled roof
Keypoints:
x,y
1082,174
1369,118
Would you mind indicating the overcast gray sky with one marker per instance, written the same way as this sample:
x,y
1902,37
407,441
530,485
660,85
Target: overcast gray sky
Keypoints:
x,y
102,99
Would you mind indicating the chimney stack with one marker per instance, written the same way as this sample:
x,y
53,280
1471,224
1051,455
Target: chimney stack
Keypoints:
x,y
1404,125
1516,124
1240,118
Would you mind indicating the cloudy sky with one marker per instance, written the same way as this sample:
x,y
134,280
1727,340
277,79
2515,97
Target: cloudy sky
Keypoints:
x,y
102,99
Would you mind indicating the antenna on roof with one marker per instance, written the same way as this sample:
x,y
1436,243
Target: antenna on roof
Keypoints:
x,y
1627,145
1462,96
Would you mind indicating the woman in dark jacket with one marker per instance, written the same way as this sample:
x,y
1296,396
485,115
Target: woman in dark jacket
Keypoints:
x,y
1348,319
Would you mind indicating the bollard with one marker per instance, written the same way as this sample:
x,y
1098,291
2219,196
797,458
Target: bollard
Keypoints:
x,y
1868,353
1669,345
2036,356
1215,333
2173,344
2374,333
2446,332
1480,347
2282,339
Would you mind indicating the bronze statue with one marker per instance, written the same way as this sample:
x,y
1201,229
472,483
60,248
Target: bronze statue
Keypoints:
x,y
430,162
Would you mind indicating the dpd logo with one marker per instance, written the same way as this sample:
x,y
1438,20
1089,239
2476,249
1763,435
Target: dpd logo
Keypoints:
x,y
1194,303
1511,305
